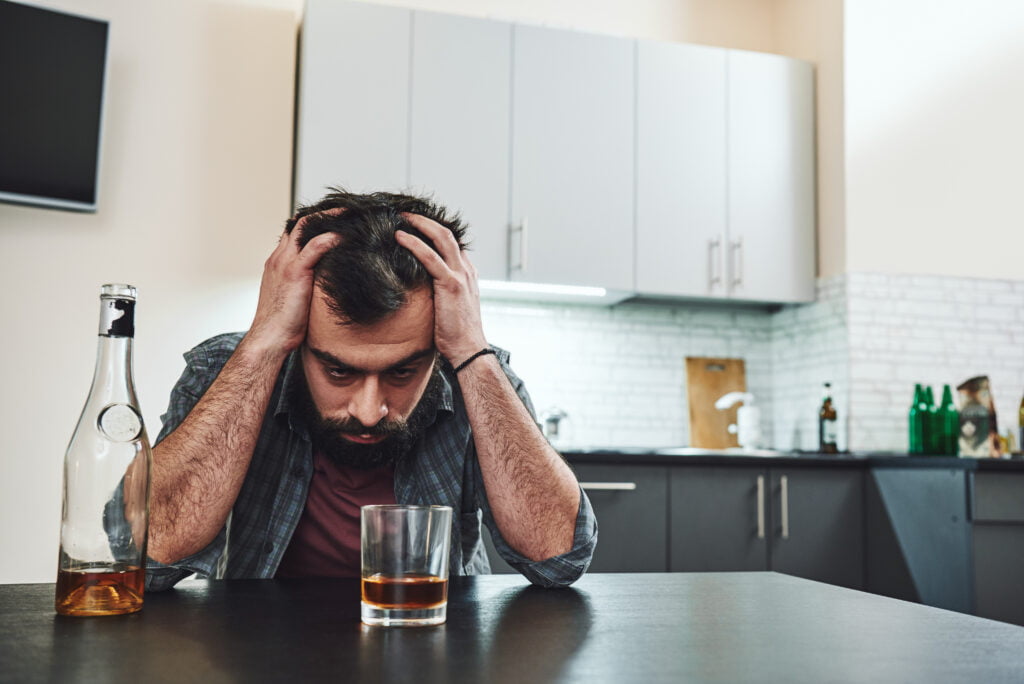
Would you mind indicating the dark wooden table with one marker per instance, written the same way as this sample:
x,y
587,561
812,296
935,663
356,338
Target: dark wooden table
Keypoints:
x,y
713,627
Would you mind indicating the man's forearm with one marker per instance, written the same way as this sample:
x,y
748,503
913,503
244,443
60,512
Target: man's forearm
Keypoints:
x,y
533,494
199,468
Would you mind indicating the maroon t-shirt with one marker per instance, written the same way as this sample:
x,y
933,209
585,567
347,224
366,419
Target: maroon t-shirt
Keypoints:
x,y
326,540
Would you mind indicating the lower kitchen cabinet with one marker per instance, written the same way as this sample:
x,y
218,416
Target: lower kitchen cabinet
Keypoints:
x,y
997,545
631,505
719,519
806,522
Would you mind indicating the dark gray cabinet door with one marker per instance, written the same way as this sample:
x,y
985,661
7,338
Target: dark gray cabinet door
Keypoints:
x,y
631,505
998,545
818,525
719,519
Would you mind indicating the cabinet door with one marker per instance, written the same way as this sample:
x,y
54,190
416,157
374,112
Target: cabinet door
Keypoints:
x,y
771,178
461,90
353,111
572,158
718,519
818,525
631,505
681,174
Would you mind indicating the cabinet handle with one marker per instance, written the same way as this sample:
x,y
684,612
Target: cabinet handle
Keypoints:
x,y
736,254
760,506
609,486
519,266
784,486
714,275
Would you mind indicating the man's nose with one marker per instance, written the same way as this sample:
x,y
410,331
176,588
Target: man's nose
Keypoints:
x,y
368,404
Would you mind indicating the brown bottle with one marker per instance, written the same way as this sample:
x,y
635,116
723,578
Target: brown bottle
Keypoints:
x,y
827,424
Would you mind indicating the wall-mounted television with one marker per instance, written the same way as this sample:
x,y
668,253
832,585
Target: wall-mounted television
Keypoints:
x,y
52,67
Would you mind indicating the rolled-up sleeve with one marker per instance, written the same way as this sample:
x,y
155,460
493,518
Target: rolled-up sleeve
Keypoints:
x,y
557,571
201,369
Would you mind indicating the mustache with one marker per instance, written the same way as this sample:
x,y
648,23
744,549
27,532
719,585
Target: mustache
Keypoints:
x,y
351,426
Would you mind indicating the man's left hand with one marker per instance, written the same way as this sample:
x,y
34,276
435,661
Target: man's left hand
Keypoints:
x,y
458,330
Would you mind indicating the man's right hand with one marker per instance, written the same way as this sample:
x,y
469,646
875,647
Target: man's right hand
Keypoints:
x,y
285,291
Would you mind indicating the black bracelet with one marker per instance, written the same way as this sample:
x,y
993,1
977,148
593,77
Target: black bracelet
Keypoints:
x,y
474,357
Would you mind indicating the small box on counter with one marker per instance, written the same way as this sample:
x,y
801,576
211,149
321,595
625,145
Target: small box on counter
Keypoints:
x,y
979,434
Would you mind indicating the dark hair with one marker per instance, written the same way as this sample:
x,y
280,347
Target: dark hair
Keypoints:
x,y
368,275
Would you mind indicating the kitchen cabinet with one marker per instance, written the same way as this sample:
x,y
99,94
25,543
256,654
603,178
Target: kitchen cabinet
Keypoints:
x,y
631,505
725,174
459,139
997,545
577,159
770,113
806,522
572,158
681,227
353,113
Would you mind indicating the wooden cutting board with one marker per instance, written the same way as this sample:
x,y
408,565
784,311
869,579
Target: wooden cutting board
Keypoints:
x,y
707,379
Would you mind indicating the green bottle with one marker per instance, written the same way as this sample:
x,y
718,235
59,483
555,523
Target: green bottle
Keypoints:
x,y
932,426
915,423
949,417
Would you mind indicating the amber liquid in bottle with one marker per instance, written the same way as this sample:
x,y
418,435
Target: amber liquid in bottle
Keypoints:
x,y
84,592
827,442
409,592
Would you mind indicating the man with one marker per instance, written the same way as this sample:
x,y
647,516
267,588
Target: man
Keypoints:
x,y
364,378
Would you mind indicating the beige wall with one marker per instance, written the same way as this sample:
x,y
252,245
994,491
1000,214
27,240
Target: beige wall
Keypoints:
x,y
934,137
194,184
743,24
813,30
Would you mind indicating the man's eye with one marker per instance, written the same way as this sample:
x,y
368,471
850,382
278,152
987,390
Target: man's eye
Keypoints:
x,y
403,373
341,373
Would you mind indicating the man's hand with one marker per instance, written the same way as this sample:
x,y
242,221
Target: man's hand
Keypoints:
x,y
287,286
458,331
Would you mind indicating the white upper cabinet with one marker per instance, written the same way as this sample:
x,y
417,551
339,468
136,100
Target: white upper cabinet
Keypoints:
x,y
572,158
459,147
681,223
576,159
771,178
353,114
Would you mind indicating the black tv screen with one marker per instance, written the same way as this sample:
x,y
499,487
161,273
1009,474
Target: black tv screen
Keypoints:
x,y
52,68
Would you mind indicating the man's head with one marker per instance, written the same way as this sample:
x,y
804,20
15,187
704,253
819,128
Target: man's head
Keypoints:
x,y
370,365
368,275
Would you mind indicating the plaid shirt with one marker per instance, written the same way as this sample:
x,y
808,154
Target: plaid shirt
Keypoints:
x,y
443,470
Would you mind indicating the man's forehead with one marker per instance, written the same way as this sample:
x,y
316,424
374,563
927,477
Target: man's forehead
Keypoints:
x,y
407,330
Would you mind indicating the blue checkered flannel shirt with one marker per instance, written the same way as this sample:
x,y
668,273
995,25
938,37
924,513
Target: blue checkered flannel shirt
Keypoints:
x,y
442,470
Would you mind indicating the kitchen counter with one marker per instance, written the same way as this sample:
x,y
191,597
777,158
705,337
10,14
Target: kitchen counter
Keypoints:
x,y
766,457
680,627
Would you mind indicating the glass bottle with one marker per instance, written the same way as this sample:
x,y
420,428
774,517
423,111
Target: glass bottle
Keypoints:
x,y
827,424
1020,425
916,422
949,420
932,427
101,566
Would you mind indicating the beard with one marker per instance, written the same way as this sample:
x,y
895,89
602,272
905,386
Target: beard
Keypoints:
x,y
328,434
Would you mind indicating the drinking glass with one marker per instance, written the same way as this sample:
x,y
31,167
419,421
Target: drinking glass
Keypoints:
x,y
405,564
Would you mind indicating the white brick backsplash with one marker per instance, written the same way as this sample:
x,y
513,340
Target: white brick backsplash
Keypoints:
x,y
619,371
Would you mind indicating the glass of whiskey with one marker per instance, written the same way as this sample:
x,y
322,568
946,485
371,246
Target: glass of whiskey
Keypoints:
x,y
405,564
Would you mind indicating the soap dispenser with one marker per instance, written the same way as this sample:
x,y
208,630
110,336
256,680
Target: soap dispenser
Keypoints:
x,y
748,418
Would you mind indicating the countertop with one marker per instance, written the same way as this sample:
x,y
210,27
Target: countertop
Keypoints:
x,y
679,627
769,458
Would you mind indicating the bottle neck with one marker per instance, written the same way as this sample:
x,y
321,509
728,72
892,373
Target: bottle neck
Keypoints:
x,y
112,380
